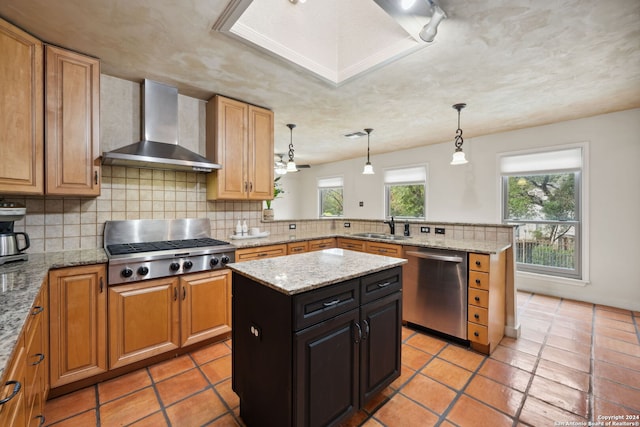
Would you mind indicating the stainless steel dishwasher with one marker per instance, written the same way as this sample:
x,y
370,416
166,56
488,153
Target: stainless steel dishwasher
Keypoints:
x,y
435,290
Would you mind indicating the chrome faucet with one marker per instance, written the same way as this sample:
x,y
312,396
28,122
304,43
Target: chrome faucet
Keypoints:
x,y
392,225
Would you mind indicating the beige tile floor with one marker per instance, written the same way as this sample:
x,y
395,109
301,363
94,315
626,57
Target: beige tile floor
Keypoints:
x,y
575,362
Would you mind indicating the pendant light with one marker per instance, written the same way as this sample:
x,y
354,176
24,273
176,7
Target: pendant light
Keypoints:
x,y
368,169
291,164
458,155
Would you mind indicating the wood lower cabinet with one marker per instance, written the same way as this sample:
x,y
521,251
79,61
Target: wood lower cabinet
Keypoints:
x,y
77,323
14,411
156,316
352,244
260,252
72,123
205,310
315,358
21,112
320,244
486,309
386,249
297,247
143,320
240,137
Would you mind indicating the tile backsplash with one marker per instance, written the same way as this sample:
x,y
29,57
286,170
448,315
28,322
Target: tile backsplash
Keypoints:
x,y
65,223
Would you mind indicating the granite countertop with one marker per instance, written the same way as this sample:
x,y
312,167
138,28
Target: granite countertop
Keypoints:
x,y
479,246
298,273
20,283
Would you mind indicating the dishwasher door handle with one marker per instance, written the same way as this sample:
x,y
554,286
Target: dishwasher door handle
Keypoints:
x,y
436,257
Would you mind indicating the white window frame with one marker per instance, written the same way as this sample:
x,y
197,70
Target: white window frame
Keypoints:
x,y
330,183
413,178
581,277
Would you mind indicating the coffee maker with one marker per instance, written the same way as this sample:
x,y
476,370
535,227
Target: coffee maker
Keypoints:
x,y
10,247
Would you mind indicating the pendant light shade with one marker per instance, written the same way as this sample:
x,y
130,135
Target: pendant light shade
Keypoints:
x,y
458,155
291,164
368,168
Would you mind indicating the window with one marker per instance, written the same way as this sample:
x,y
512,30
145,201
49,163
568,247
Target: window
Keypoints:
x,y
541,194
405,192
330,192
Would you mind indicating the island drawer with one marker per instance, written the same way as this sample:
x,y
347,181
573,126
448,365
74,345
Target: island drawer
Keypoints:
x,y
380,284
315,306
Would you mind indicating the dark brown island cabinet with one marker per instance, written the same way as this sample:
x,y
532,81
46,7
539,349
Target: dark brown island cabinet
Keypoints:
x,y
316,357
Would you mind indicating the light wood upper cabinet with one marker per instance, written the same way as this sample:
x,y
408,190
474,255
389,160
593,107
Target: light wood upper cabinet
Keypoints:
x,y
21,112
240,138
72,123
77,323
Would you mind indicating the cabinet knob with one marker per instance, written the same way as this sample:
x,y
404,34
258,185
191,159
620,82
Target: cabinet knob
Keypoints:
x,y
478,263
476,334
477,316
477,299
477,281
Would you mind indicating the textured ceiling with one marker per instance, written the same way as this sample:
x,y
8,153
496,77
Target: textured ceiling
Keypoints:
x,y
516,64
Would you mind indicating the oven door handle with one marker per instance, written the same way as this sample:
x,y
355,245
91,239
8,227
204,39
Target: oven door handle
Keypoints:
x,y
436,257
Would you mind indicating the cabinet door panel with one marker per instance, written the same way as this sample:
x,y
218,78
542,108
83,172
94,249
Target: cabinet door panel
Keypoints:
x,y
326,368
72,123
78,323
143,320
260,159
206,306
381,321
21,112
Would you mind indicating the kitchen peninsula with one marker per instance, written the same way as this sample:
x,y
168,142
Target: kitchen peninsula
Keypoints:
x,y
315,335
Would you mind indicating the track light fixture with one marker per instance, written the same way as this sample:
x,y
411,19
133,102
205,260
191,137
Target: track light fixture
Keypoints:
x,y
458,155
430,30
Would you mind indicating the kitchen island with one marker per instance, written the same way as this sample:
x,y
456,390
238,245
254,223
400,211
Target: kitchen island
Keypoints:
x,y
315,335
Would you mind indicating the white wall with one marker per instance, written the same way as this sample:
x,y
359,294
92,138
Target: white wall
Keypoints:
x,y
471,193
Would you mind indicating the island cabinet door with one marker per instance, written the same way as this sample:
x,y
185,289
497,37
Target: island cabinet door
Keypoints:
x,y
381,323
326,366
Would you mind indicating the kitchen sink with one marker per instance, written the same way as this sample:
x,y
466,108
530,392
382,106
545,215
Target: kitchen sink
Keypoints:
x,y
381,236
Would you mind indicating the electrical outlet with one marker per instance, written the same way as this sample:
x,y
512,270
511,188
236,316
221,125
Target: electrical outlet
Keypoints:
x,y
292,226
347,225
439,230
361,204
425,229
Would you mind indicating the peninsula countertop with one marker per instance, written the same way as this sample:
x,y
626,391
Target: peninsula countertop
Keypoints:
x,y
299,273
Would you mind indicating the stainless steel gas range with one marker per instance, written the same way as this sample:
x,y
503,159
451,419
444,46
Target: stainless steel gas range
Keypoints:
x,y
149,249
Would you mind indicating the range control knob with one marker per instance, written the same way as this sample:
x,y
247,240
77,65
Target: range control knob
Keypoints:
x,y
127,272
213,262
187,265
143,270
174,266
224,259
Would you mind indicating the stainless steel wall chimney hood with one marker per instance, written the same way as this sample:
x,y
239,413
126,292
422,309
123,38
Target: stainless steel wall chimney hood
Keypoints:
x,y
159,147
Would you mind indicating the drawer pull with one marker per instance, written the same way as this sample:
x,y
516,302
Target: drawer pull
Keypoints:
x,y
478,263
331,303
477,299
476,334
40,357
262,254
477,316
16,389
37,310
477,281
384,285
41,419
366,330
357,340
175,294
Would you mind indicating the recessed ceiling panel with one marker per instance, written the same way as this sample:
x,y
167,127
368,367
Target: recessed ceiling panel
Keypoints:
x,y
334,39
